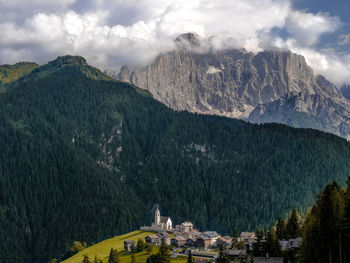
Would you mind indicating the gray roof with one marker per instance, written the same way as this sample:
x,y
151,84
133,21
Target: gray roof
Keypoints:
x,y
270,260
164,219
187,224
163,234
294,243
204,237
211,234
236,252
130,242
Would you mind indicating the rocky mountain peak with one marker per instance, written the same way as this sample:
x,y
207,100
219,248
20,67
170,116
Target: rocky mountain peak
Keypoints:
x,y
188,41
69,60
233,83
124,74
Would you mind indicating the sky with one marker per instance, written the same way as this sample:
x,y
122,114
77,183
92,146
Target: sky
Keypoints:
x,y
111,33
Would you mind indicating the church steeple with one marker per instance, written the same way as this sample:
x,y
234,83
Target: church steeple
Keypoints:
x,y
157,216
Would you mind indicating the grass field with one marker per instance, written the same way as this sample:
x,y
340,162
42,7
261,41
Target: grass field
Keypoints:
x,y
102,249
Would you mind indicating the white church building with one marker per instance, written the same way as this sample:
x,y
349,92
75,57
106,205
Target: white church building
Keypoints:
x,y
161,223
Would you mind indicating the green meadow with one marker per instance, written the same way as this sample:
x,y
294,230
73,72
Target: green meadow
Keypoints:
x,y
102,249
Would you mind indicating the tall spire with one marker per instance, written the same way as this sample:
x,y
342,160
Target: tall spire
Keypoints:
x,y
157,215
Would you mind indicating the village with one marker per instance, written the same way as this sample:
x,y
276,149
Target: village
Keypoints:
x,y
206,246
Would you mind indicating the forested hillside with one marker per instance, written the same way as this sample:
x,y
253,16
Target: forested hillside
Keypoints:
x,y
326,230
83,157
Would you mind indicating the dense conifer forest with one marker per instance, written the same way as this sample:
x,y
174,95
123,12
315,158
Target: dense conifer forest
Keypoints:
x,y
83,157
326,231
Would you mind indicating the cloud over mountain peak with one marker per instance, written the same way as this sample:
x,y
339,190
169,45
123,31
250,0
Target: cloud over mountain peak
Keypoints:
x,y
112,33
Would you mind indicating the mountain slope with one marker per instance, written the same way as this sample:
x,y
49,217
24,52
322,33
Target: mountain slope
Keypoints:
x,y
9,73
233,83
84,158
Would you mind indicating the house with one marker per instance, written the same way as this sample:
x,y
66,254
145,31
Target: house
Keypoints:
x,y
236,253
165,237
203,242
213,235
223,242
194,234
129,245
294,243
185,227
248,237
191,242
283,245
178,241
153,239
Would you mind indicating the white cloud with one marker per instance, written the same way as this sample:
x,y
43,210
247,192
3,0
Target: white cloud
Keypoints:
x,y
344,40
133,32
307,28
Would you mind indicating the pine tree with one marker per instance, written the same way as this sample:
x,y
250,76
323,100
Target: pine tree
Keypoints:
x,y
258,247
189,257
345,237
86,259
113,256
150,248
293,225
97,260
272,245
140,245
164,255
223,258
281,229
322,230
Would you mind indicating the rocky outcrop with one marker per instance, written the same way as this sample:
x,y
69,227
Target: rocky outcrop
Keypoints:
x,y
239,84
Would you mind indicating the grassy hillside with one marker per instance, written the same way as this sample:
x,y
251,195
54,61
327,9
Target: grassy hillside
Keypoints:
x,y
85,158
10,73
103,248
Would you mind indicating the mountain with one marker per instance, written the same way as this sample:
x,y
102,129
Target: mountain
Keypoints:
x,y
9,73
234,83
84,157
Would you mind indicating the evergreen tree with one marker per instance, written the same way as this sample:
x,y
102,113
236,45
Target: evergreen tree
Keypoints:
x,y
86,259
345,229
272,246
258,246
150,248
281,230
141,245
97,260
322,229
293,225
189,257
223,258
113,256
164,255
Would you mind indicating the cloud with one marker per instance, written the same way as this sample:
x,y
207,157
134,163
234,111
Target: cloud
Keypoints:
x,y
112,33
344,40
306,28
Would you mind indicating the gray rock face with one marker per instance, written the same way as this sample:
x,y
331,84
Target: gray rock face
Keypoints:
x,y
239,84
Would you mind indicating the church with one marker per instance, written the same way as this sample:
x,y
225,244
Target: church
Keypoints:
x,y
161,223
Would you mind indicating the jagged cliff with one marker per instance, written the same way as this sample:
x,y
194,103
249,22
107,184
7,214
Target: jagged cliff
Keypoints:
x,y
239,84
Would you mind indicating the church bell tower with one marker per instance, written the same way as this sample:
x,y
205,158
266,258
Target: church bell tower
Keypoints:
x,y
157,216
